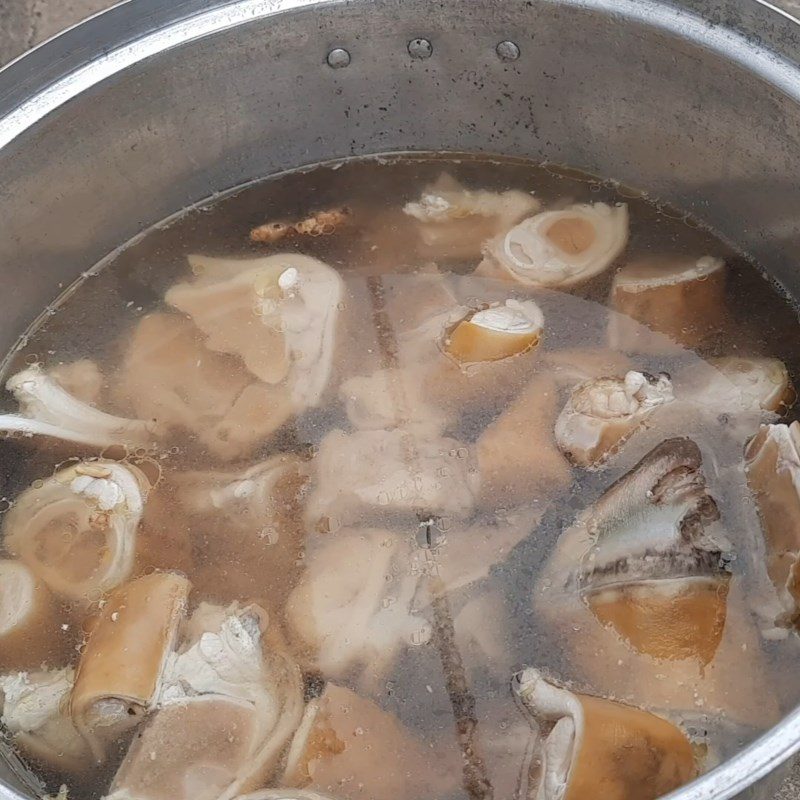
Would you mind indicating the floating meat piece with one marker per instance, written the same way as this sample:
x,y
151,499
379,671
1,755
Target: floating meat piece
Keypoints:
x,y
683,299
496,333
227,709
29,629
388,399
558,249
353,607
735,384
47,409
600,748
35,712
350,747
455,222
772,462
249,525
602,413
278,314
517,456
321,223
368,473
82,379
120,672
77,531
170,376
642,576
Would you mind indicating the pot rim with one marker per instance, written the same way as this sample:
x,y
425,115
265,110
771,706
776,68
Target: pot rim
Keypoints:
x,y
43,79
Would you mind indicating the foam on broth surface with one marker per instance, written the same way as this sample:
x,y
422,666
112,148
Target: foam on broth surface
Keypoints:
x,y
437,584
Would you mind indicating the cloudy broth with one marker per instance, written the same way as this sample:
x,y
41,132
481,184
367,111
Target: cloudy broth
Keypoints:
x,y
387,510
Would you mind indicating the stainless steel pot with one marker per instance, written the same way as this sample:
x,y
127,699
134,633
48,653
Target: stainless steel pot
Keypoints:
x,y
157,104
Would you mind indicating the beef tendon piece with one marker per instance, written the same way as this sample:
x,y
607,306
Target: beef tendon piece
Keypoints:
x,y
455,222
120,672
601,414
592,747
558,249
772,461
683,300
349,746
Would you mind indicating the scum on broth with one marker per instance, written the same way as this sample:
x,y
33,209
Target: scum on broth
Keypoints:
x,y
445,678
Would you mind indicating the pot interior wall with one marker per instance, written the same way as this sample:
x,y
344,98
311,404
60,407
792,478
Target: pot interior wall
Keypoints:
x,y
644,92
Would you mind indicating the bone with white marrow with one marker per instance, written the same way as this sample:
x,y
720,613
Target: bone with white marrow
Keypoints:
x,y
344,736
772,462
601,414
558,249
454,222
228,707
120,672
30,633
462,343
644,575
664,304
77,531
590,745
35,711
48,409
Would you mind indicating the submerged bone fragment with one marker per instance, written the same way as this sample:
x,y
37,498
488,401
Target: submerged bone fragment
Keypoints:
x,y
601,414
120,672
35,712
682,299
227,709
77,531
495,333
559,249
169,375
371,472
454,222
46,408
349,746
278,314
517,457
594,747
736,384
321,223
772,462
29,630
